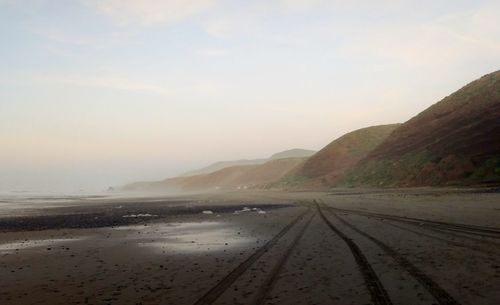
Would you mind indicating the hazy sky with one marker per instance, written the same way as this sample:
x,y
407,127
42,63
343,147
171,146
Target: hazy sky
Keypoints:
x,y
103,92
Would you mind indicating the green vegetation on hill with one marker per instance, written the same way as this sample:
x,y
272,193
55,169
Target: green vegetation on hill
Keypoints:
x,y
379,173
488,172
324,168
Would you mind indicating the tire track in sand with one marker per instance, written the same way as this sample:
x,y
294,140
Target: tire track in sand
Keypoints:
x,y
273,276
216,291
377,291
441,295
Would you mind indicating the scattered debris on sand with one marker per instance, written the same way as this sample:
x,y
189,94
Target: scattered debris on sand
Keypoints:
x,y
247,209
139,215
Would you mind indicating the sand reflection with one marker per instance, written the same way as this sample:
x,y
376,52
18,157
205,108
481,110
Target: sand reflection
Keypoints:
x,y
192,237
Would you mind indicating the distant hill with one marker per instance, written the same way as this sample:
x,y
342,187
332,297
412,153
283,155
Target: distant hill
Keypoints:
x,y
455,141
223,164
243,177
292,153
229,178
332,162
229,175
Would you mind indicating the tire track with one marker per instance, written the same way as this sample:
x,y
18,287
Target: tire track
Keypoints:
x,y
377,291
433,226
273,276
467,229
213,294
447,241
441,295
446,228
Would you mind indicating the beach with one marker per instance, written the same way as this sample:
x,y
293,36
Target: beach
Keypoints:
x,y
415,246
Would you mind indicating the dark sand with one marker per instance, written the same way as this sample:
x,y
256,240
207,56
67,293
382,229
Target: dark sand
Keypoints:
x,y
418,246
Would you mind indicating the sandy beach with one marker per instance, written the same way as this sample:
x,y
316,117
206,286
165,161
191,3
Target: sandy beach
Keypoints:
x,y
415,246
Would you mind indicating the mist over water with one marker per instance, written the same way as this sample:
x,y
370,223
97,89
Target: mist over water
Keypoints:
x,y
81,178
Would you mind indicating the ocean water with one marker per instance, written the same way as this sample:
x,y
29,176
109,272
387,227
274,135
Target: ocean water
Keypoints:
x,y
11,201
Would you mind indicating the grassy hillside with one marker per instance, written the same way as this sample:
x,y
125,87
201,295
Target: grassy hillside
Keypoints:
x,y
455,141
331,163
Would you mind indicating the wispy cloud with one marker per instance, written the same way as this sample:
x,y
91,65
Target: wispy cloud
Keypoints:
x,y
212,52
448,39
63,37
220,27
233,23
181,88
301,5
150,12
115,83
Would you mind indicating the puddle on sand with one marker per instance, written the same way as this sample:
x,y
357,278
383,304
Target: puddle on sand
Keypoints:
x,y
26,244
194,237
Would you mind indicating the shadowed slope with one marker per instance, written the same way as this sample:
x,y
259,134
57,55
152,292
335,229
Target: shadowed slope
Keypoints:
x,y
346,151
332,162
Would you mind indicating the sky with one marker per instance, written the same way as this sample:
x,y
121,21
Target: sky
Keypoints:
x,y
95,93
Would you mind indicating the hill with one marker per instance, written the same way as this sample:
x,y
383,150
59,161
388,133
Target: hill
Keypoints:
x,y
223,164
229,178
292,153
332,162
243,177
455,141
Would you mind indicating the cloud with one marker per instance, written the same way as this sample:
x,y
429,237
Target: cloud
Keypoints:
x,y
116,83
150,12
212,52
250,19
62,37
234,23
447,40
301,5
220,27
163,88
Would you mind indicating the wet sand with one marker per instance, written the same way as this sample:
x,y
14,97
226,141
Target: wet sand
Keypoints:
x,y
372,247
